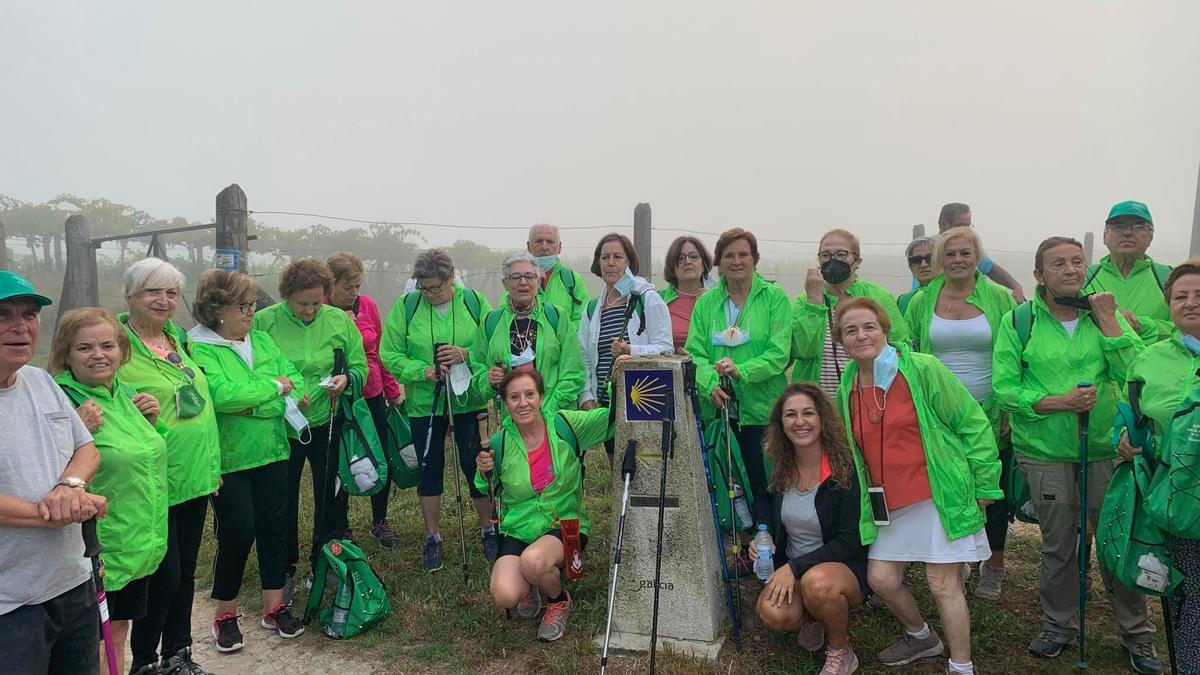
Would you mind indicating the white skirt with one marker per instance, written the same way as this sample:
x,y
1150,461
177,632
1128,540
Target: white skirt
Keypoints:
x,y
916,535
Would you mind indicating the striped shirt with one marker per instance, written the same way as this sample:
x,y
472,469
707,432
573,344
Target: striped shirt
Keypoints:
x,y
612,321
833,364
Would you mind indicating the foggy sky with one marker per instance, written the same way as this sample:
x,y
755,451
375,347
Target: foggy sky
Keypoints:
x,y
785,117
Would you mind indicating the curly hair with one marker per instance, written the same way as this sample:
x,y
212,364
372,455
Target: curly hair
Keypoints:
x,y
832,439
303,274
219,289
69,325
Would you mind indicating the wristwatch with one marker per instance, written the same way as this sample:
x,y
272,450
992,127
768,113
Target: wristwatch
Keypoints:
x,y
72,482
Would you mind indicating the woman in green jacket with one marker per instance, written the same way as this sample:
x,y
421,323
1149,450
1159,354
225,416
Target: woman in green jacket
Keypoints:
x,y
1166,371
161,365
1037,379
818,357
919,255
955,317
538,482
89,346
443,316
309,332
927,466
686,272
252,386
741,329
527,333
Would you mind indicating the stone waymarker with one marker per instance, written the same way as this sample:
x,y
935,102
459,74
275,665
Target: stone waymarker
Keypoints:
x,y
691,616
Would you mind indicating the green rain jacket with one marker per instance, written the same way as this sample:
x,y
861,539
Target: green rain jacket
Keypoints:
x,y
761,362
960,450
193,446
1052,364
1167,370
1140,293
526,515
132,476
812,322
310,349
406,349
260,437
554,291
991,298
557,356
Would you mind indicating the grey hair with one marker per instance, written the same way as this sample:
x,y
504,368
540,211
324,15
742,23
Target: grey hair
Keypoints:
x,y
151,273
514,258
433,263
533,229
950,211
920,241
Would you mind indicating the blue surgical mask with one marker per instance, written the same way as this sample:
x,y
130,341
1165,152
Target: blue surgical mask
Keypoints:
x,y
1192,343
886,366
626,284
545,262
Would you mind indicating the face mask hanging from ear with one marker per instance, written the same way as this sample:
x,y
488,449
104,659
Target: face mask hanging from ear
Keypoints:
x,y
887,364
545,262
1191,343
626,284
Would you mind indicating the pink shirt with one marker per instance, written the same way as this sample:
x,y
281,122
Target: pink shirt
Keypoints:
x,y
371,326
681,317
541,466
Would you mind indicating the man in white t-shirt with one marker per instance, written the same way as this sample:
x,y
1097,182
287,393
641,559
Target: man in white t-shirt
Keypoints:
x,y
48,614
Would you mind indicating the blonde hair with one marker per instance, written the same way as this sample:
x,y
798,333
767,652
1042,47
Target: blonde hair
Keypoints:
x,y
69,325
855,246
345,266
943,240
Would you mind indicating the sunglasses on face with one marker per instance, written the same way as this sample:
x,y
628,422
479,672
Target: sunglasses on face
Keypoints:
x,y
177,361
914,260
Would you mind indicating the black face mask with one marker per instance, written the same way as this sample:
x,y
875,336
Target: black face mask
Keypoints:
x,y
835,271
1078,302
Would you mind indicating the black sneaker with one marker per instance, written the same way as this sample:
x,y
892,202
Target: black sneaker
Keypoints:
x,y
181,663
227,633
1143,658
148,669
491,544
431,556
382,532
281,621
1046,645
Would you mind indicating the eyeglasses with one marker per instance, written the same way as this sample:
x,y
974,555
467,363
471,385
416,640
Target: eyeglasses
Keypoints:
x,y
431,289
842,255
245,307
518,278
1139,226
914,260
177,361
687,257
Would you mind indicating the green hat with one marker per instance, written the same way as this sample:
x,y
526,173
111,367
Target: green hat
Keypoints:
x,y
1129,208
14,286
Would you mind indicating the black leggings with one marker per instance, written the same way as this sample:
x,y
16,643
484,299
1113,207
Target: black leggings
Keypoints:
x,y
330,519
1000,512
169,602
246,512
750,440
433,464
379,500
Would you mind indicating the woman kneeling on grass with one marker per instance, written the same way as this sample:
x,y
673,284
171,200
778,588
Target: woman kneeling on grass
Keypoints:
x,y
822,569
539,486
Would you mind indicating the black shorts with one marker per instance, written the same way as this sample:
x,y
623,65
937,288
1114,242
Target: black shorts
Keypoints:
x,y
513,546
129,603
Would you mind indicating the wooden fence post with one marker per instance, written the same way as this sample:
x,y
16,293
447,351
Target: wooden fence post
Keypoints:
x,y
918,231
641,237
231,225
1088,242
3,247
80,282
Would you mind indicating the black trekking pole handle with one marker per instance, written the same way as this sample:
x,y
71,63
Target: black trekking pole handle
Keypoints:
x,y
91,542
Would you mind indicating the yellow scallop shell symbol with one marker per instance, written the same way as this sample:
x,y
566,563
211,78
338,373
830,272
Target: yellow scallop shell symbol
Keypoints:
x,y
648,394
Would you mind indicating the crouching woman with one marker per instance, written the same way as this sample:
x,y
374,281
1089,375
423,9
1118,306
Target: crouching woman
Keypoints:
x,y
538,483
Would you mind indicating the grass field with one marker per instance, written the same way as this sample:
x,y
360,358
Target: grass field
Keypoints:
x,y
438,626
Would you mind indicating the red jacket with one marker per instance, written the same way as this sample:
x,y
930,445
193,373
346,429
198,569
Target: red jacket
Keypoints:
x,y
366,317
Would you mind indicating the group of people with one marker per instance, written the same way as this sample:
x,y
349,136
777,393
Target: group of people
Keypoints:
x,y
874,431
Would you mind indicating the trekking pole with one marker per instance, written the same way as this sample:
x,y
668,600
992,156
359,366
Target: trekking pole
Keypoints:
x,y
628,467
331,464
1082,555
92,550
462,534
690,384
726,384
667,438
485,435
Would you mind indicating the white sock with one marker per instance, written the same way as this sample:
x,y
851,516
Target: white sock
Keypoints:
x,y
920,634
967,668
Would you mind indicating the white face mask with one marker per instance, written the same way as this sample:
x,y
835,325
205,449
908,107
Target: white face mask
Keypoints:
x,y
521,359
545,262
460,378
626,284
295,418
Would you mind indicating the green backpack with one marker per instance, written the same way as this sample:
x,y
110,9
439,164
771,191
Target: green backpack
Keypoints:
x,y
635,304
1172,497
470,298
360,600
714,440
1129,544
401,454
362,465
562,428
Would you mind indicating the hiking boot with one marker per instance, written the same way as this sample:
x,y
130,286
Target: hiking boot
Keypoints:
x,y
382,532
811,636
554,623
1143,658
491,544
289,590
908,649
839,662
991,582
431,556
281,621
530,605
181,663
227,633
1047,645
148,669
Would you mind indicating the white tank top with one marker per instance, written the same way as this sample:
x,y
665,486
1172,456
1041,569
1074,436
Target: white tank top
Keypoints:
x,y
965,346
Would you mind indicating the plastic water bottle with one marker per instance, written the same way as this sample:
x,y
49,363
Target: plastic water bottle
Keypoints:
x,y
741,509
365,476
764,564
341,610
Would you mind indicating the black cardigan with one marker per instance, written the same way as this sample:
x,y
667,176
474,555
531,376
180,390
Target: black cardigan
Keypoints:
x,y
838,511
